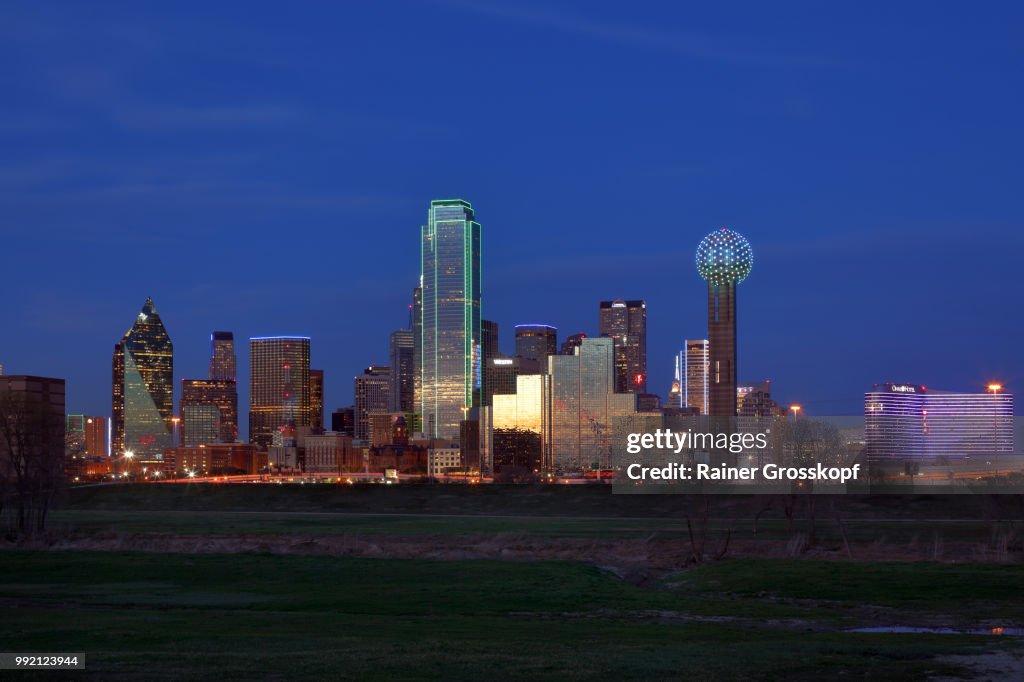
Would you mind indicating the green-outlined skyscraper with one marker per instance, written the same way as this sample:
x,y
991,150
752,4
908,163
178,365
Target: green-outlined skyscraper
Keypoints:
x,y
450,366
143,388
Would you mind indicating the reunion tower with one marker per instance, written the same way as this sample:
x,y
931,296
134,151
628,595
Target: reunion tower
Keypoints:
x,y
724,259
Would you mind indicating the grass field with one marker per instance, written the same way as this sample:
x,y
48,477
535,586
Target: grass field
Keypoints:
x,y
312,609
977,524
245,616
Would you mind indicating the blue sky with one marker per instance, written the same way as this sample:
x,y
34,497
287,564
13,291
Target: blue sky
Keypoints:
x,y
265,167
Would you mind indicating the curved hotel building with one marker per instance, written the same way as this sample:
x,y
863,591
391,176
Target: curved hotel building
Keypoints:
x,y
910,421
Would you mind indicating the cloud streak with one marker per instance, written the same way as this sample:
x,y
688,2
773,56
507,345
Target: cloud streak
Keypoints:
x,y
683,43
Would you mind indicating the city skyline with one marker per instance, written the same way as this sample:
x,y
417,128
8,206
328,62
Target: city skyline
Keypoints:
x,y
123,159
507,348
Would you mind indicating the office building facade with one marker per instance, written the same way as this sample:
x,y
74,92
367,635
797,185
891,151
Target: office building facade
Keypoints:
x,y
316,400
571,343
403,367
96,436
535,343
209,411
278,386
451,354
223,363
500,377
755,400
372,396
625,322
343,420
27,394
143,388
695,364
583,406
515,427
488,351
913,422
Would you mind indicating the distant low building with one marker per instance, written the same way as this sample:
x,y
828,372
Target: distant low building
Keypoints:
x,y
444,460
755,400
328,452
214,459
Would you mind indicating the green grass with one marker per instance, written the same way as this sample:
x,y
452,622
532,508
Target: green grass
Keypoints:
x,y
245,616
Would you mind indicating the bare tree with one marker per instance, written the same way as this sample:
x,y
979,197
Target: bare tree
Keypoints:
x,y
806,442
31,462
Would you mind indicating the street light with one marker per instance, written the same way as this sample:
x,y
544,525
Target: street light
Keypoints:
x,y
126,455
994,390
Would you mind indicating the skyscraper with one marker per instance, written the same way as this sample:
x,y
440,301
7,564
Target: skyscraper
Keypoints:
x,y
535,343
582,407
500,377
625,322
571,343
724,259
695,362
143,388
26,394
450,352
96,436
416,323
278,385
675,392
209,411
316,400
403,349
371,395
516,436
488,351
343,420
74,430
755,400
222,356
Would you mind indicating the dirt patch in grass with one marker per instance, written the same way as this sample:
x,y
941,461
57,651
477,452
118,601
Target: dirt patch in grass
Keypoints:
x,y
637,560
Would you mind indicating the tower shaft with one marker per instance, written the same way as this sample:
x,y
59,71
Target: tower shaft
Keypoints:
x,y
722,349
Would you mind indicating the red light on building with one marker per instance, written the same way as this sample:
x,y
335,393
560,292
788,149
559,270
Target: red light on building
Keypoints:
x,y
639,379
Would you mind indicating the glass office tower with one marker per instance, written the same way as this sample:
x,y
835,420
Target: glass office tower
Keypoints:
x,y
695,361
535,343
199,394
450,366
518,427
402,368
583,406
222,356
626,323
278,386
371,389
143,388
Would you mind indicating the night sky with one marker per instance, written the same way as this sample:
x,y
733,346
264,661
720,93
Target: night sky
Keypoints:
x,y
265,170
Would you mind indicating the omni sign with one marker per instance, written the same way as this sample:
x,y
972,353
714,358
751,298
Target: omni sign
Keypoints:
x,y
903,388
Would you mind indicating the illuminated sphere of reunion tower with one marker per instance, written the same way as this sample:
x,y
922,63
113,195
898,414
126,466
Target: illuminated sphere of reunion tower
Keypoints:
x,y
724,259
